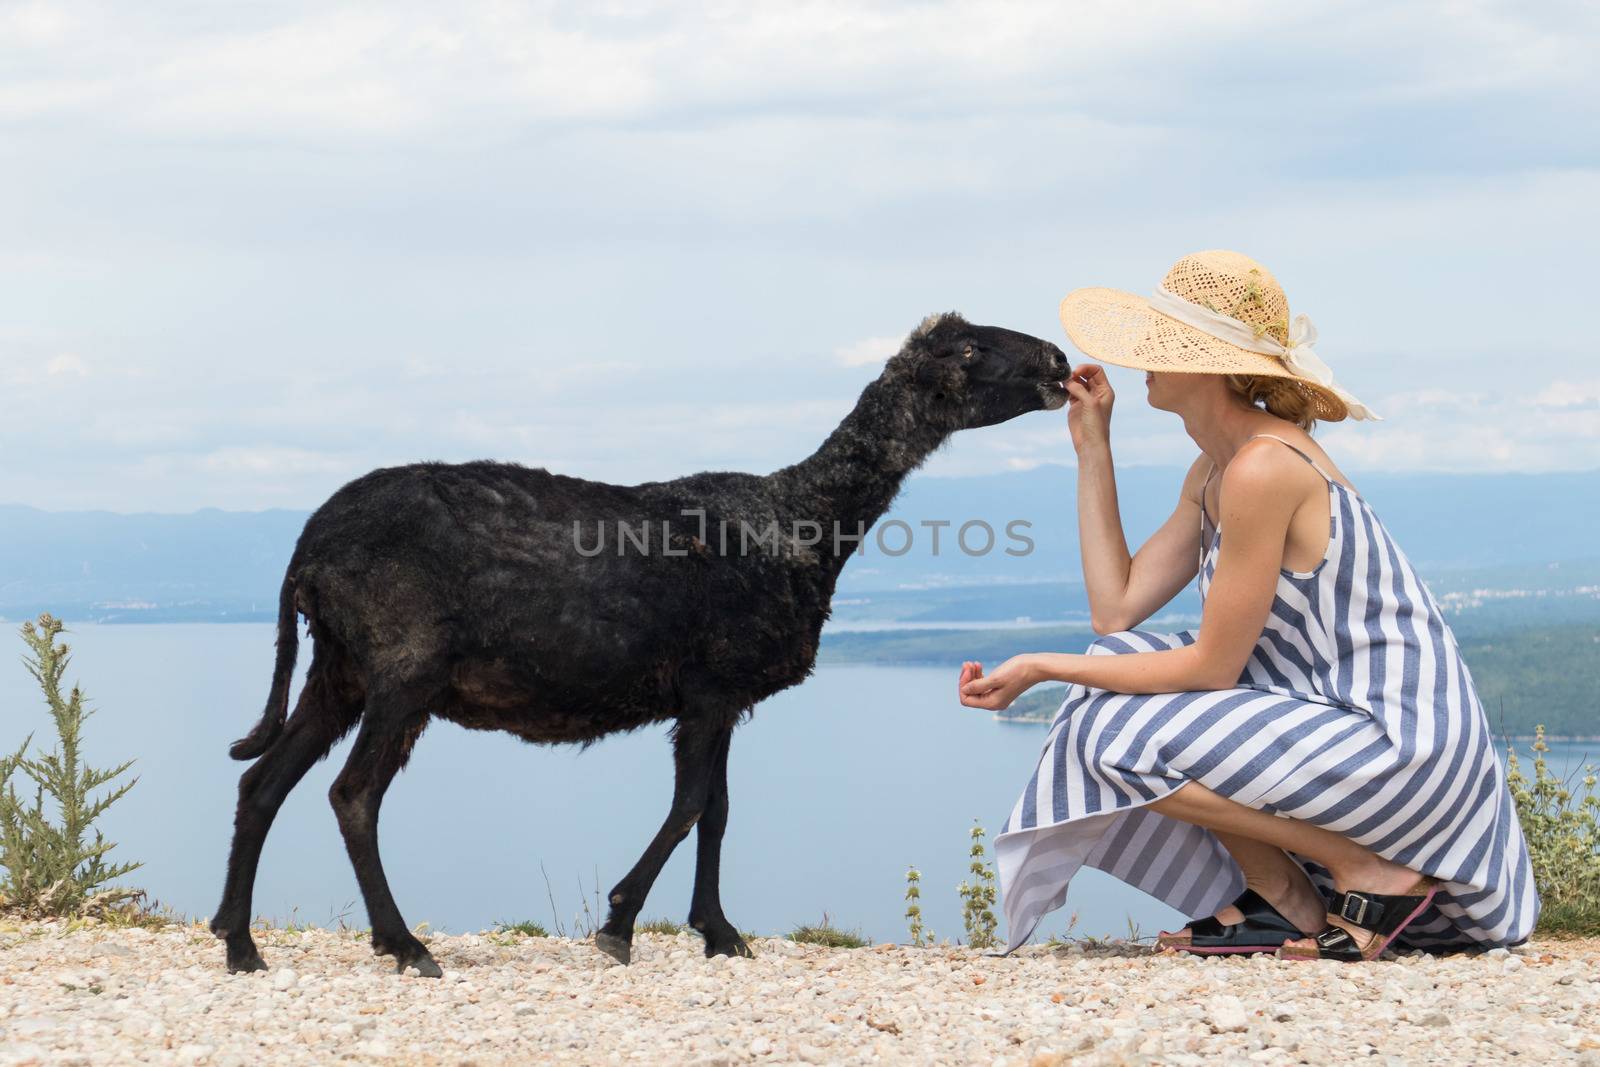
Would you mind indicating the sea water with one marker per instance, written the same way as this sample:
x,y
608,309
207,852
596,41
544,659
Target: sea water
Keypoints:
x,y
837,787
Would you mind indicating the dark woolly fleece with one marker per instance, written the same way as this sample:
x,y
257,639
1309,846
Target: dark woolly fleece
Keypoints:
x,y
473,592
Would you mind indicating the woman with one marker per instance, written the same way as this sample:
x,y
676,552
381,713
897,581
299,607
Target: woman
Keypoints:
x,y
1310,770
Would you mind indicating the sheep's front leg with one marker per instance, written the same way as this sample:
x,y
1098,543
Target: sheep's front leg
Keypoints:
x,y
693,751
705,912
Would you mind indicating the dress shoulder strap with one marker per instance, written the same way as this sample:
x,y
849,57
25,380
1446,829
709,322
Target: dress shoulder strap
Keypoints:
x,y
1303,456
1203,487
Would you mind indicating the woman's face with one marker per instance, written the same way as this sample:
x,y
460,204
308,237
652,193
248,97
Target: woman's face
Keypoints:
x,y
1155,385
1181,393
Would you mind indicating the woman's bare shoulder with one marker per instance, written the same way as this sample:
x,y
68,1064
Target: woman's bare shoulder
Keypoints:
x,y
1306,444
1194,479
1263,476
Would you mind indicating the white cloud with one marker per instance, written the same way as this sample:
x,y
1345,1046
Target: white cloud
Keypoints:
x,y
1553,425
1568,395
25,369
386,70
868,350
271,460
1462,430
67,363
296,241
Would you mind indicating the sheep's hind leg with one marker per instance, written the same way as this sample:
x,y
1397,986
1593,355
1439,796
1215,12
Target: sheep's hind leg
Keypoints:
x,y
380,750
693,748
311,731
705,911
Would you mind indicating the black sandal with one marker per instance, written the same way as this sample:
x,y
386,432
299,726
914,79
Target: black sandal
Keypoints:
x,y
1385,915
1264,929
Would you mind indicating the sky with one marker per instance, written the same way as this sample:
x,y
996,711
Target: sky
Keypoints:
x,y
249,251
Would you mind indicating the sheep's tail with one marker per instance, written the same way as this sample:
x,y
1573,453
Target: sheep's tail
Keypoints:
x,y
266,731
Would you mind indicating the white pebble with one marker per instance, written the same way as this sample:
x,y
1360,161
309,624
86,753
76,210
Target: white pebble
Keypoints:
x,y
1226,1014
169,1001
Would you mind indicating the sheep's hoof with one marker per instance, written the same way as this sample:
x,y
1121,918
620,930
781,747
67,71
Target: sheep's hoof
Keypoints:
x,y
423,962
245,962
242,955
617,948
407,952
732,946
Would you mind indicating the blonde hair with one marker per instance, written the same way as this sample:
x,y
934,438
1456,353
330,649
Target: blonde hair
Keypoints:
x,y
1279,396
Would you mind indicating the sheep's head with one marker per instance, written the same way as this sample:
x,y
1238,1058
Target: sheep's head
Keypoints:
x,y
964,376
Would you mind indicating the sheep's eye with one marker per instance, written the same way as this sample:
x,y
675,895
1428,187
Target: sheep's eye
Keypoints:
x,y
967,353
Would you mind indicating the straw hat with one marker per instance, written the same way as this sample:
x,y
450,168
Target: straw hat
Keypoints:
x,y
1214,313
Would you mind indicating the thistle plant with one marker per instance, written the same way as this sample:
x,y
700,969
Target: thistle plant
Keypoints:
x,y
914,908
978,896
58,866
1563,836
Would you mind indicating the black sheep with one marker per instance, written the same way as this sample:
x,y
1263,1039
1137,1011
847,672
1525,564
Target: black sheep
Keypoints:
x,y
475,592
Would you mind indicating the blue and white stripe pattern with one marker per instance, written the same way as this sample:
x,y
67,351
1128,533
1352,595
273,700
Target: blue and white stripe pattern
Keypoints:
x,y
1355,712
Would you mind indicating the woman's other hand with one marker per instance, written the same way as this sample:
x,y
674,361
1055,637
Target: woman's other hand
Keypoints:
x,y
1089,400
996,691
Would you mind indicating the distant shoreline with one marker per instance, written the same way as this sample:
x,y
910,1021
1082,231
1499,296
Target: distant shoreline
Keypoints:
x,y
1524,675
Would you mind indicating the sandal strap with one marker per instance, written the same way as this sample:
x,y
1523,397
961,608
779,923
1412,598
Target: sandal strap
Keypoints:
x,y
1261,914
1252,903
1335,943
1336,938
1383,915
1365,910
1262,925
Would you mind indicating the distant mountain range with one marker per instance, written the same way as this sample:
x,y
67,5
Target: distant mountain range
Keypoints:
x,y
99,565
1441,521
219,566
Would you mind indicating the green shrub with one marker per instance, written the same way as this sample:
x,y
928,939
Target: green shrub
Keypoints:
x,y
659,926
527,928
1563,835
978,897
828,935
914,907
54,866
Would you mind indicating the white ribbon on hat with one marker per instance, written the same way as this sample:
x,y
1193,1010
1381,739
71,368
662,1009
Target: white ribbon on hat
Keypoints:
x,y
1297,355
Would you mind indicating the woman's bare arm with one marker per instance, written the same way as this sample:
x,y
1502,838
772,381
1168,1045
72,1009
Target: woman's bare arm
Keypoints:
x,y
1123,590
1256,511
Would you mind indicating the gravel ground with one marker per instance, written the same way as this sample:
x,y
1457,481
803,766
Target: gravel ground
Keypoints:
x,y
140,996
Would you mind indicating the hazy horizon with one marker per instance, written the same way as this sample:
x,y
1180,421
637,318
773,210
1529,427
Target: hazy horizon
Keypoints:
x,y
942,476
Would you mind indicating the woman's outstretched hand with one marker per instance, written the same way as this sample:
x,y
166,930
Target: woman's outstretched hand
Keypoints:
x,y
1089,400
996,691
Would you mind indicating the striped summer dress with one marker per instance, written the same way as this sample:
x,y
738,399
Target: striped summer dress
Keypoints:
x,y
1355,712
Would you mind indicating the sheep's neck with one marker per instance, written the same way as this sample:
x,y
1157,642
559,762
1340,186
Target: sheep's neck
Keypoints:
x,y
850,481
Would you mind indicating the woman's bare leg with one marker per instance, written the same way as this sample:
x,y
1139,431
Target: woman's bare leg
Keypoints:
x,y
1277,879
1352,866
